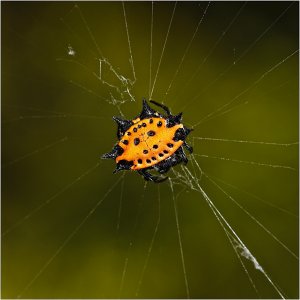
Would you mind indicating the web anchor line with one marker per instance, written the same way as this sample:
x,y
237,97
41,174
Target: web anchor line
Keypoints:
x,y
163,50
180,242
186,50
150,247
151,46
129,45
255,163
222,35
244,141
131,242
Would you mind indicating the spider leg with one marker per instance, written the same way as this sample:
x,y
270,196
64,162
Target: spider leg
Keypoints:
x,y
181,134
181,155
173,120
116,151
147,111
165,108
147,176
123,125
175,159
123,165
165,165
188,147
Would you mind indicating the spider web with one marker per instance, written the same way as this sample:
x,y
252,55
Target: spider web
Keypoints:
x,y
223,226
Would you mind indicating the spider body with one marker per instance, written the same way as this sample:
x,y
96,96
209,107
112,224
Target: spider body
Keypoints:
x,y
150,141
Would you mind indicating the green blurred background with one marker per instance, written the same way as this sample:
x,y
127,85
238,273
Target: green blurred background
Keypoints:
x,y
56,123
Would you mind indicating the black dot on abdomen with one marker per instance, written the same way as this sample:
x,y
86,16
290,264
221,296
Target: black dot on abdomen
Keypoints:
x,y
136,141
170,145
159,124
145,151
166,151
161,154
140,161
151,133
155,146
125,142
148,161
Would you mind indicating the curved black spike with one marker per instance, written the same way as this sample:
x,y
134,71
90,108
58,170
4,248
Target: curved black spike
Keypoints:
x,y
179,135
116,151
165,165
123,165
123,126
108,155
174,120
165,108
147,111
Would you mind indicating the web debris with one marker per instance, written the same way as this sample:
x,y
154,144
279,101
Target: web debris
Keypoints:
x,y
118,86
71,51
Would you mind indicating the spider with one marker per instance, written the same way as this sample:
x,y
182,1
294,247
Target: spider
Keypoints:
x,y
150,141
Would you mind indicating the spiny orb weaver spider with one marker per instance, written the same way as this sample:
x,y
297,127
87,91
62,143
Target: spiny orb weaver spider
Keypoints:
x,y
150,141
